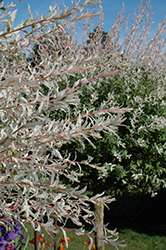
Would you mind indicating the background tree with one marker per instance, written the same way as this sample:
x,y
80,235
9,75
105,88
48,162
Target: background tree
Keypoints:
x,y
135,159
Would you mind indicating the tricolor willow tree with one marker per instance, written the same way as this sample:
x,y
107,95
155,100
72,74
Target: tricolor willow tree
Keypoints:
x,y
32,133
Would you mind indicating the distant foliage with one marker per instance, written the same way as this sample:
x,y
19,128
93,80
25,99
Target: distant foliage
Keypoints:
x,y
135,157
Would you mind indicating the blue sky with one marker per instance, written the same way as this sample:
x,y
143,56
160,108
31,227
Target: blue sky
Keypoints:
x,y
111,8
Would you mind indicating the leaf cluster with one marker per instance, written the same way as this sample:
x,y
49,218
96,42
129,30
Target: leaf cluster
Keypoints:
x,y
38,116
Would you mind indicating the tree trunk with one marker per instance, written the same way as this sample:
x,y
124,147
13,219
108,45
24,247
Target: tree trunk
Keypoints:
x,y
99,219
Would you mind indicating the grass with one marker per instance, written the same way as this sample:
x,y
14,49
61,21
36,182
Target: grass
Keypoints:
x,y
142,228
134,240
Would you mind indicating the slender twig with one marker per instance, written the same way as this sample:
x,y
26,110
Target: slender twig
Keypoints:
x,y
36,239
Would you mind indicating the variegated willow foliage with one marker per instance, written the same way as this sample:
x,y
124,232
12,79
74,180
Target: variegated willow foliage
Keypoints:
x,y
33,171
136,158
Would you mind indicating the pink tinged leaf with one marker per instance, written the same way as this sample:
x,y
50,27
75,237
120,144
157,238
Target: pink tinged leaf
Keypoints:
x,y
106,73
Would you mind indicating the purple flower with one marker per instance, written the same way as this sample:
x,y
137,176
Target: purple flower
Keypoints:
x,y
3,242
12,236
9,233
18,230
22,237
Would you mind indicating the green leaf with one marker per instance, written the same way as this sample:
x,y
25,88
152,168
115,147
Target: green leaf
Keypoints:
x,y
33,25
26,22
3,9
26,243
7,27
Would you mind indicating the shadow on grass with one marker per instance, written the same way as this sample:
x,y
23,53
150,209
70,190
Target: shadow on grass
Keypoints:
x,y
139,212
140,220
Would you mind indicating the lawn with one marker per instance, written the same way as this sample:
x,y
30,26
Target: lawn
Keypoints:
x,y
141,228
134,240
